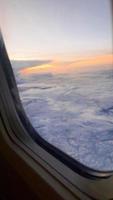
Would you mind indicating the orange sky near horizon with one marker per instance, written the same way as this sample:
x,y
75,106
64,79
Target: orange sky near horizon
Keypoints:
x,y
56,67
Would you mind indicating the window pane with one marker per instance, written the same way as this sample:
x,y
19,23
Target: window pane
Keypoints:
x,y
61,53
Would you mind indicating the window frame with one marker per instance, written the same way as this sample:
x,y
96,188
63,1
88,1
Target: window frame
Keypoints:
x,y
71,177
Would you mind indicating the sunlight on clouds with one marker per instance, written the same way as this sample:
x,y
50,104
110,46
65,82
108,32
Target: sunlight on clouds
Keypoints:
x,y
66,67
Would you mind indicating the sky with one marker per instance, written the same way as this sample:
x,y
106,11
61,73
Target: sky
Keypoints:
x,y
56,29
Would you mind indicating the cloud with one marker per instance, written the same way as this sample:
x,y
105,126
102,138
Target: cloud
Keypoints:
x,y
73,112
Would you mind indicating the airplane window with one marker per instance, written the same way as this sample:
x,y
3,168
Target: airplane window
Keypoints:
x,y
61,54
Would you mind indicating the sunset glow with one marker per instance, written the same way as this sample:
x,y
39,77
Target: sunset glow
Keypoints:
x,y
63,67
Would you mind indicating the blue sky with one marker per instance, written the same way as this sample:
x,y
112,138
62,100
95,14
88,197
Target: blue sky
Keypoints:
x,y
48,29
